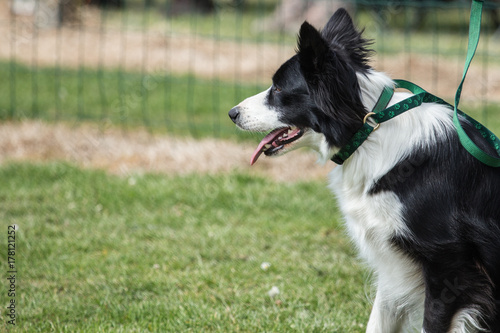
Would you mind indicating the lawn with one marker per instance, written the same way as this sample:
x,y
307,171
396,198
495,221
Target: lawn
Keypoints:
x,y
182,105
102,253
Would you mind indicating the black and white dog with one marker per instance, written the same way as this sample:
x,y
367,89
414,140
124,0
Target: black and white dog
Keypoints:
x,y
423,213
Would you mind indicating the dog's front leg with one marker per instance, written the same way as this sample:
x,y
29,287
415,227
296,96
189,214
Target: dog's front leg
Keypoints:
x,y
384,317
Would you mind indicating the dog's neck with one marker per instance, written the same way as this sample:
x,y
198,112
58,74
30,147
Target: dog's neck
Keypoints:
x,y
371,85
396,139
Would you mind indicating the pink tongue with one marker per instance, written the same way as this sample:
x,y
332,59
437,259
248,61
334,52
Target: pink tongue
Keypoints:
x,y
267,140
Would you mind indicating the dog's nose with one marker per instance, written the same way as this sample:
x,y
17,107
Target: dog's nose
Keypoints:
x,y
234,113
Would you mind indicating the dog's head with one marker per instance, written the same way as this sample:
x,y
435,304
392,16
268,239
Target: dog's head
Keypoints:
x,y
315,98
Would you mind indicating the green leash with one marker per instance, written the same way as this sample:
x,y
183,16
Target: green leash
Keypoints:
x,y
381,114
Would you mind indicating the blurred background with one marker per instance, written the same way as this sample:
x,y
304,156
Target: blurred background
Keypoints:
x,y
178,66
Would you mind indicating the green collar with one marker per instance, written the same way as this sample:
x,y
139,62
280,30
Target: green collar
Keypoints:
x,y
362,134
420,96
382,113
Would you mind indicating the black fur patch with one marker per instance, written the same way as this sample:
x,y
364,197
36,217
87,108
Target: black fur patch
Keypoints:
x,y
452,210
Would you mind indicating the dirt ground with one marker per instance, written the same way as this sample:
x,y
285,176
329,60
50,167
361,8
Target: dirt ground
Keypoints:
x,y
136,152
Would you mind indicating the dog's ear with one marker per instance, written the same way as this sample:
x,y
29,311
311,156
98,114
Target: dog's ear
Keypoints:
x,y
311,49
339,25
343,37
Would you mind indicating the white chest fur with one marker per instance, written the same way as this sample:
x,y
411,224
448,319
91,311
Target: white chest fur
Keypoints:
x,y
371,222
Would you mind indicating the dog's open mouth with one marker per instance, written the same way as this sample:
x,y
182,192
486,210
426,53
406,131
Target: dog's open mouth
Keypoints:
x,y
275,141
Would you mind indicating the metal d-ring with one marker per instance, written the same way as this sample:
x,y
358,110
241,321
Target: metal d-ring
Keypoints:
x,y
365,119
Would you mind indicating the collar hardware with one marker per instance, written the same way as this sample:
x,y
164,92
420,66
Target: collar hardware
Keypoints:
x,y
365,119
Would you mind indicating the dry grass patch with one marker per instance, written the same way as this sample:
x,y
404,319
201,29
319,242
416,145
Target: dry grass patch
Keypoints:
x,y
138,151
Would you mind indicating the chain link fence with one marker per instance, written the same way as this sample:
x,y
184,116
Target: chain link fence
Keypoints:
x,y
179,66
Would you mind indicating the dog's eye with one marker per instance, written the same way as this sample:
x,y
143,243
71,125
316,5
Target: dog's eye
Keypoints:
x,y
277,89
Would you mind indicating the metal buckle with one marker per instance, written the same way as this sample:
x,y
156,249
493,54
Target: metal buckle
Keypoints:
x,y
365,119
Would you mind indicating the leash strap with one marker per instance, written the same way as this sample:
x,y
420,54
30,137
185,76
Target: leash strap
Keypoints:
x,y
381,114
467,143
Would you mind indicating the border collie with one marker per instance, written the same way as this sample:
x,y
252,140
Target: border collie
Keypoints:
x,y
423,213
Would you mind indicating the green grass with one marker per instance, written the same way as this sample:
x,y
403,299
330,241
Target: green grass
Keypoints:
x,y
442,30
227,22
100,253
178,104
